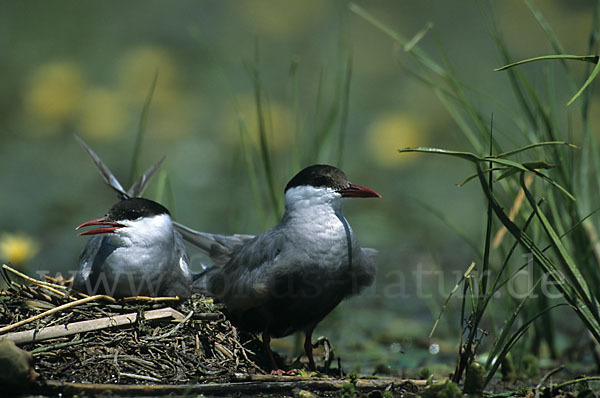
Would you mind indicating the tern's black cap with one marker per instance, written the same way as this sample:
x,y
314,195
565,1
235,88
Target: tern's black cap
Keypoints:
x,y
134,208
319,175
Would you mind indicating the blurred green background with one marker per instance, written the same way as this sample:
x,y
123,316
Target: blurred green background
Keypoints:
x,y
86,67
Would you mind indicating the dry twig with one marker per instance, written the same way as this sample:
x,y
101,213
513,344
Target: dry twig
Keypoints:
x,y
53,332
60,308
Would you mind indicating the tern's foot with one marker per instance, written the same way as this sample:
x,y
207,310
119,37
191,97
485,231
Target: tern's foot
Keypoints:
x,y
281,372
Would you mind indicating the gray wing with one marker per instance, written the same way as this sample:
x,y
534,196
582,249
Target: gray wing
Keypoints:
x,y
179,282
107,175
269,265
247,279
136,190
139,187
91,262
218,247
364,270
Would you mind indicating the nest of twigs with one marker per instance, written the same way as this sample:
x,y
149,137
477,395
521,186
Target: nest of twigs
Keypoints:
x,y
138,340
71,344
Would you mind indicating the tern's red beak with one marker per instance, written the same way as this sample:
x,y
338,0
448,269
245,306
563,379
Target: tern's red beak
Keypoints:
x,y
109,226
356,191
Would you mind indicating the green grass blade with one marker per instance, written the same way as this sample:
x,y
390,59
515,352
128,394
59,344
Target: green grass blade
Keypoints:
x,y
578,303
458,88
473,176
474,158
459,119
586,58
265,154
571,294
488,240
500,341
533,166
558,48
512,73
457,154
593,42
512,341
418,37
535,145
556,45
344,112
314,156
466,274
252,172
497,284
324,132
137,147
578,281
420,55
293,76
164,192
589,80
523,238
539,107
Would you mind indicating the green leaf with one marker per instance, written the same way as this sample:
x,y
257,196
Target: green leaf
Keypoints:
x,y
513,340
589,80
535,145
466,274
476,159
420,55
587,58
141,131
418,37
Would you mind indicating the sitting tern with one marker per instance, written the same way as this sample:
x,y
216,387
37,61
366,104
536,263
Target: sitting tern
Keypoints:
x,y
136,251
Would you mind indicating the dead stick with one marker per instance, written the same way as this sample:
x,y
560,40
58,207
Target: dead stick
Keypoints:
x,y
86,326
223,388
139,377
208,316
54,310
243,349
151,299
31,280
362,380
57,292
57,346
581,380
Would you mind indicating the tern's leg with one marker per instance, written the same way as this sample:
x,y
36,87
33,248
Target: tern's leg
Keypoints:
x,y
308,348
266,339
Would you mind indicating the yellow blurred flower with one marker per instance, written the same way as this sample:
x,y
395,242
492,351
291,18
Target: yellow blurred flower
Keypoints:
x,y
174,118
281,18
103,114
393,131
55,92
136,71
279,122
17,248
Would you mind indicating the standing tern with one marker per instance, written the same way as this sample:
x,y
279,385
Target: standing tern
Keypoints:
x,y
136,251
290,277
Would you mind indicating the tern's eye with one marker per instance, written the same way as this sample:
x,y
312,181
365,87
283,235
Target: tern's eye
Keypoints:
x,y
133,215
